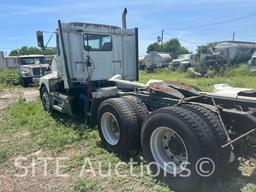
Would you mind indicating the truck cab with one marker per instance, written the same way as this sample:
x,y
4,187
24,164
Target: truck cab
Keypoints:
x,y
88,56
31,68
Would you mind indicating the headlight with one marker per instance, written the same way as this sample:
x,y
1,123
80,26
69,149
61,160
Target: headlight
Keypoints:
x,y
25,73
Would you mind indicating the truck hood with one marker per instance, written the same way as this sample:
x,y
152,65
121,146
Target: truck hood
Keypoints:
x,y
179,61
34,66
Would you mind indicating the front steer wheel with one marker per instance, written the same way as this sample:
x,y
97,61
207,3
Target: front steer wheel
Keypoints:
x,y
174,140
46,100
118,126
25,82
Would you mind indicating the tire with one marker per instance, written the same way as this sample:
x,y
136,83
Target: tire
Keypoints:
x,y
46,99
215,125
118,126
187,67
140,107
195,136
24,82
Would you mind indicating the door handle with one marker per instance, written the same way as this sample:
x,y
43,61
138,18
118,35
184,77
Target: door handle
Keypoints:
x,y
116,61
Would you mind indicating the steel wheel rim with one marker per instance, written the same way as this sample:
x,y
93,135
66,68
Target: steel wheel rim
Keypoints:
x,y
168,157
46,100
110,128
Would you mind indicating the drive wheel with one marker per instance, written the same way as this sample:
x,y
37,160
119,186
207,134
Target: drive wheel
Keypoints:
x,y
174,140
118,126
215,125
46,99
140,107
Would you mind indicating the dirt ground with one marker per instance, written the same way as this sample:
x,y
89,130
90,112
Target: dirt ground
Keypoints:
x,y
33,183
8,96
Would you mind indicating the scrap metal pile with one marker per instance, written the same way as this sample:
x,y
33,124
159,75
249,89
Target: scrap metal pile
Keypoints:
x,y
227,53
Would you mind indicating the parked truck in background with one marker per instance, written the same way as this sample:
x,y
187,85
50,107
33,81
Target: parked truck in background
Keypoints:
x,y
31,68
183,62
174,124
155,60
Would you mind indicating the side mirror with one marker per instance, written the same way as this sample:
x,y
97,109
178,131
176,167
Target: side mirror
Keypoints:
x,y
40,39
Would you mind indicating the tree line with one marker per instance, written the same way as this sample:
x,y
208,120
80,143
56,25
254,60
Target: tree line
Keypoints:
x,y
174,48
25,50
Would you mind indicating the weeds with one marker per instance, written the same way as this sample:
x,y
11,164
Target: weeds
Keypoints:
x,y
44,130
25,127
9,78
238,77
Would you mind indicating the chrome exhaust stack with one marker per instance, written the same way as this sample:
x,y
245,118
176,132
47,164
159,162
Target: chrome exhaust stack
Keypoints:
x,y
124,19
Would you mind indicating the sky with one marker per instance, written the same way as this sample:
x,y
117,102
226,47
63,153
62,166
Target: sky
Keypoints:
x,y
20,19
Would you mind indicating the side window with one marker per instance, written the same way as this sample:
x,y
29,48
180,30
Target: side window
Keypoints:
x,y
93,42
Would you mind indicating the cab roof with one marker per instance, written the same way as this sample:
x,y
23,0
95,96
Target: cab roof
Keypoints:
x,y
81,24
25,56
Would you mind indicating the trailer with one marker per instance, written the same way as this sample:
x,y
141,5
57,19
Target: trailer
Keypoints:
x,y
235,51
155,60
175,125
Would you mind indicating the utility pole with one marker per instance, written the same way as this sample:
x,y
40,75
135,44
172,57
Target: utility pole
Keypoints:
x,y
234,36
162,38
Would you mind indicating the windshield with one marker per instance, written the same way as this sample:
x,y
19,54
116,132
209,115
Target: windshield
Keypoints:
x,y
184,56
32,60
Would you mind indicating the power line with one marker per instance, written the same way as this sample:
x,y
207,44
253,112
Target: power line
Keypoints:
x,y
214,23
225,38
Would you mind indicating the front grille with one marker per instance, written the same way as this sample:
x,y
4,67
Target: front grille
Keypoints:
x,y
176,63
39,71
43,69
36,72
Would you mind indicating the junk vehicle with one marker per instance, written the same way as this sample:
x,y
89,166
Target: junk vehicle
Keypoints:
x,y
31,68
183,62
156,60
235,51
230,52
141,62
174,124
252,62
224,53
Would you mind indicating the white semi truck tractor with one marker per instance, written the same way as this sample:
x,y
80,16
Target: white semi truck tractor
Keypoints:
x,y
175,125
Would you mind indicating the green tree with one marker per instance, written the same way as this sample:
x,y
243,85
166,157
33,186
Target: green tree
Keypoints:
x,y
154,47
49,51
172,46
183,50
14,53
203,49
